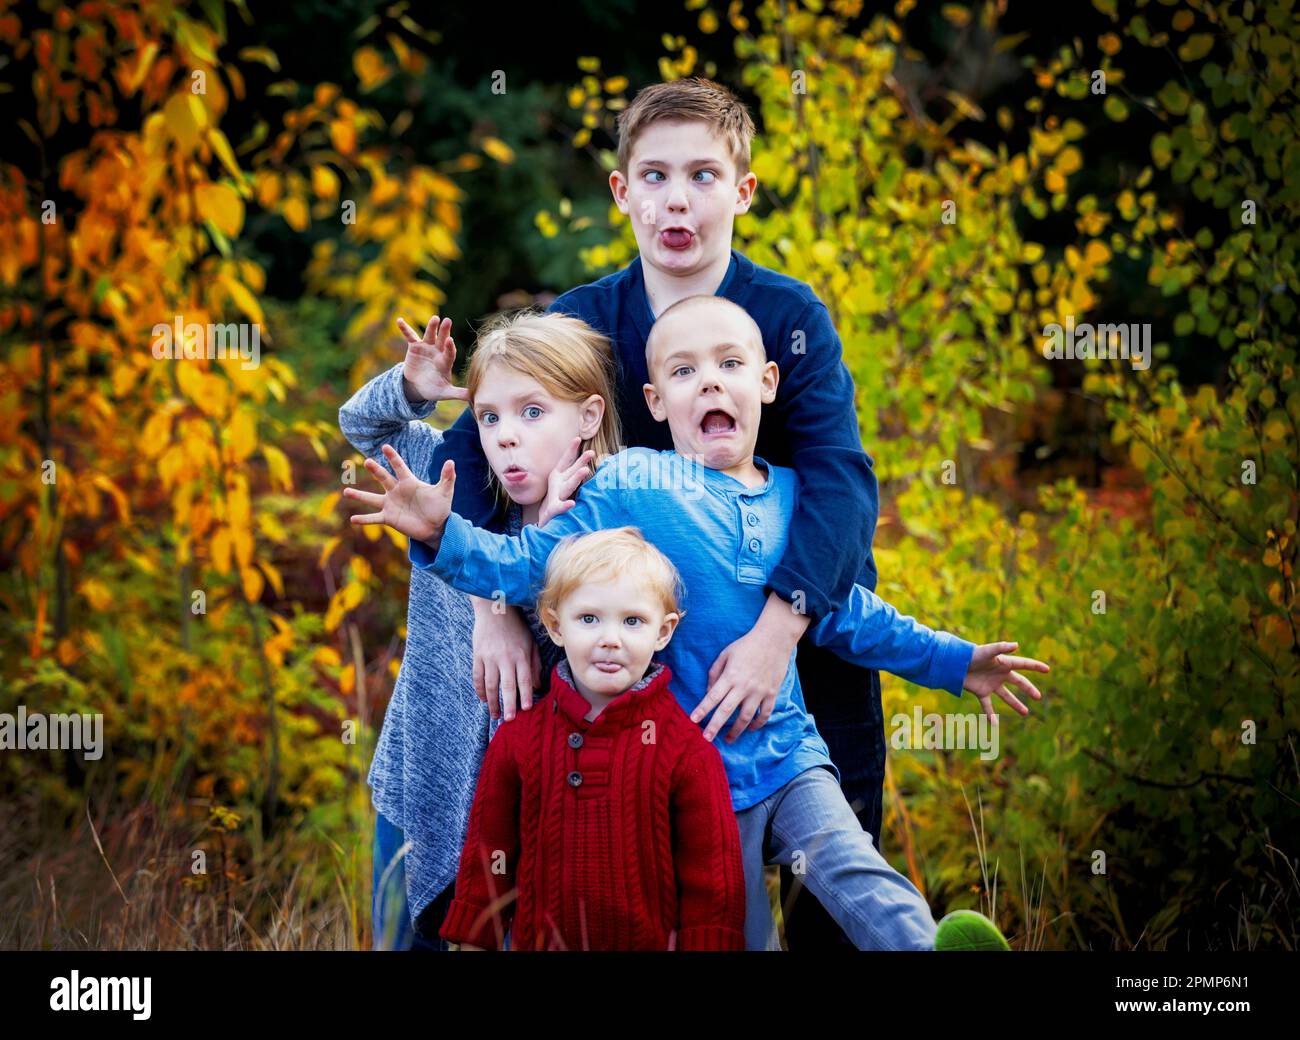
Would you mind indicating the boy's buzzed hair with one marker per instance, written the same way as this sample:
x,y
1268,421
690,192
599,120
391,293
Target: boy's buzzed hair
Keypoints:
x,y
702,300
693,98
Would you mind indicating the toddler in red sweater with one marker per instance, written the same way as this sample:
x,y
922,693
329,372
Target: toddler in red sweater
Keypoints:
x,y
602,818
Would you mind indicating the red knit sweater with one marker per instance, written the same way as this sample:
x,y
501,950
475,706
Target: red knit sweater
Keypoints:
x,y
616,834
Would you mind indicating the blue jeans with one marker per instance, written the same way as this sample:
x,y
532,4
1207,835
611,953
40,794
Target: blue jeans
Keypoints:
x,y
390,914
808,825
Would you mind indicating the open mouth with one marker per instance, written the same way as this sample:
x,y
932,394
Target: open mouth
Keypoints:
x,y
677,237
717,423
514,474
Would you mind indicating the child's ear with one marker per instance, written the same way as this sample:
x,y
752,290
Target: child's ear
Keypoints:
x,y
745,189
551,622
653,402
593,411
666,630
771,377
618,188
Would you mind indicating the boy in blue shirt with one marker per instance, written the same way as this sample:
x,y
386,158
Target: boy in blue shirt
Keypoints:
x,y
682,178
723,516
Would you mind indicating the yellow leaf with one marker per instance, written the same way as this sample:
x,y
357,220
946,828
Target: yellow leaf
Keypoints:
x,y
295,213
326,549
119,499
243,298
224,152
97,594
242,434
278,465
221,551
343,135
327,656
273,575
1096,253
243,544
222,205
182,120
1069,160
253,583
324,182
498,149
262,54
327,505
370,67
269,187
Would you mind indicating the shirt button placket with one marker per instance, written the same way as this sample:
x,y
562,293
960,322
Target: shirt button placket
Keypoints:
x,y
575,742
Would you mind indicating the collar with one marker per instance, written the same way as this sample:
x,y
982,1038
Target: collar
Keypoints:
x,y
629,708
729,485
739,272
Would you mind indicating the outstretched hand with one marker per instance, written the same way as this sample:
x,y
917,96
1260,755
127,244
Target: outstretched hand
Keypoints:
x,y
408,504
992,666
429,361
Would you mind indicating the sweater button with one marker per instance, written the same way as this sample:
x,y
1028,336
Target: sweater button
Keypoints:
x,y
575,740
575,779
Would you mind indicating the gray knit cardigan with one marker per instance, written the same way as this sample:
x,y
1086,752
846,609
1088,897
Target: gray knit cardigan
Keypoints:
x,y
436,729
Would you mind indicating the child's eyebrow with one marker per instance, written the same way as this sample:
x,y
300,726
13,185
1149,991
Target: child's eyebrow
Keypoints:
x,y
528,396
717,348
711,161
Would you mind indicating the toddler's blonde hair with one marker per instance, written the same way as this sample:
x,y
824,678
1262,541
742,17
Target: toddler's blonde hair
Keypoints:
x,y
569,358
607,556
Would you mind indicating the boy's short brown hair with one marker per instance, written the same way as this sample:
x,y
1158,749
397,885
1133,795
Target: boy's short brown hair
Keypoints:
x,y
694,98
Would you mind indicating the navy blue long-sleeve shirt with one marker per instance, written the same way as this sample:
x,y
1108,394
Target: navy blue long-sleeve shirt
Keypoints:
x,y
811,427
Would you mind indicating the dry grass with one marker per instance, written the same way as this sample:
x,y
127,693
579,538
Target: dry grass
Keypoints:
x,y
122,879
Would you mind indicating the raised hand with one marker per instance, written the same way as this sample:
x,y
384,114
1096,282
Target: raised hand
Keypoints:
x,y
426,375
564,481
408,504
991,665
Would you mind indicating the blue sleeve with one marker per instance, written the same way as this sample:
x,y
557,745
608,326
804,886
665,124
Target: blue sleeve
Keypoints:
x,y
835,518
484,564
473,498
872,634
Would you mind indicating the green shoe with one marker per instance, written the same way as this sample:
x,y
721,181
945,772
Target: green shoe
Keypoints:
x,y
968,930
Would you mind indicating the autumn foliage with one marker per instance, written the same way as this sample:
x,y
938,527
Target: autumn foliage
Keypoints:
x,y
177,556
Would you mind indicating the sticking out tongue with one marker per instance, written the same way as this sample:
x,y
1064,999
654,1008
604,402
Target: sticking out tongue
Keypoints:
x,y
677,238
717,422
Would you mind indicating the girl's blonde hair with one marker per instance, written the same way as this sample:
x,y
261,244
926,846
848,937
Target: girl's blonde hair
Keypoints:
x,y
569,358
604,556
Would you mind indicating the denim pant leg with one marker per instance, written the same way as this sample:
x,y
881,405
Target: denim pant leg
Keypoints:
x,y
878,907
760,929
390,917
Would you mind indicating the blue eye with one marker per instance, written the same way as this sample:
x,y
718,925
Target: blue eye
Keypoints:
x,y
681,368
533,408
707,173
653,173
588,618
633,621
731,361
487,418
